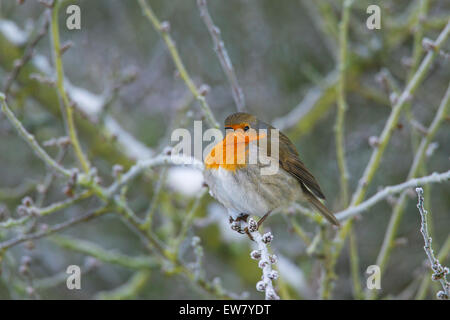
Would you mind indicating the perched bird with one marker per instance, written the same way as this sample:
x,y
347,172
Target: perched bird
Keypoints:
x,y
240,184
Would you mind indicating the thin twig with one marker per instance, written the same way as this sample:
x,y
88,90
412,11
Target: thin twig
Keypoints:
x,y
44,187
62,91
155,199
222,54
55,228
354,266
27,55
11,222
34,212
342,103
56,206
31,140
423,6
146,164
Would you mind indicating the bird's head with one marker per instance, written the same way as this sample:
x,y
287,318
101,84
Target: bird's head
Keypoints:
x,y
244,127
241,120
240,129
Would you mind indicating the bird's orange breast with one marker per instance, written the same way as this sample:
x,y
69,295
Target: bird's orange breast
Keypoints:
x,y
232,152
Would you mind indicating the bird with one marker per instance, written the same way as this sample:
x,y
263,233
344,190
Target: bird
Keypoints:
x,y
239,183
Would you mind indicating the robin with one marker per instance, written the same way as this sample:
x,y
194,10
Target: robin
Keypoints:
x,y
239,183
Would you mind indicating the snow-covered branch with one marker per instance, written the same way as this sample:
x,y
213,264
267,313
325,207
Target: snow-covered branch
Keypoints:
x,y
383,194
439,272
265,260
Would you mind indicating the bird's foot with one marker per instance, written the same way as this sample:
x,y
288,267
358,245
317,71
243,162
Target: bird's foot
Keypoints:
x,y
236,225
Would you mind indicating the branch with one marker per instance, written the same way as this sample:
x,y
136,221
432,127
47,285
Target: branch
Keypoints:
x,y
86,181
418,27
11,222
265,260
163,30
32,211
149,163
342,103
55,228
188,220
439,272
222,54
383,194
30,139
354,266
62,92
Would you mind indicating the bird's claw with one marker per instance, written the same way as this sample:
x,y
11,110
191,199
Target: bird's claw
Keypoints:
x,y
236,225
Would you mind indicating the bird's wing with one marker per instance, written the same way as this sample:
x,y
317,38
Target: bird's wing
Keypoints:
x,y
290,161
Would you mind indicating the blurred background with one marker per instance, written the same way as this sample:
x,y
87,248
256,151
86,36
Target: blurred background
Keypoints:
x,y
285,57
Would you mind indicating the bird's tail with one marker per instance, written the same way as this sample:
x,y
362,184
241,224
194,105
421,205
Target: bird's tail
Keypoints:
x,y
321,207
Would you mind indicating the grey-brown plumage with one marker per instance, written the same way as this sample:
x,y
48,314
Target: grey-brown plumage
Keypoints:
x,y
290,161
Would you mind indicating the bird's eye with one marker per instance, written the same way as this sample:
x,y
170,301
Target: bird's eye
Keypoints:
x,y
246,128
228,128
